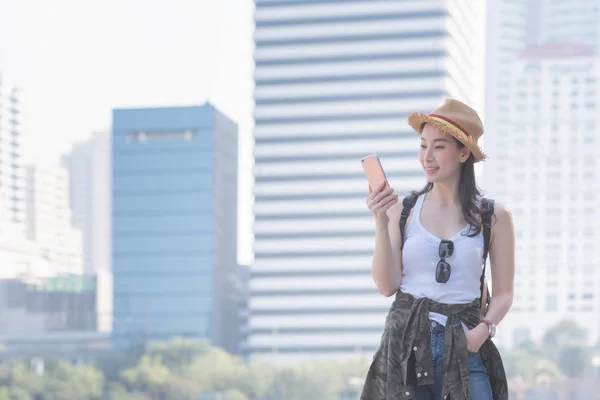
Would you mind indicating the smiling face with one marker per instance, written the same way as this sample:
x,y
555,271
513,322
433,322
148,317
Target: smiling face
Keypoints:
x,y
441,155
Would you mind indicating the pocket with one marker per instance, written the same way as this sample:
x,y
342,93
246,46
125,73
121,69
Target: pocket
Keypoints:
x,y
475,364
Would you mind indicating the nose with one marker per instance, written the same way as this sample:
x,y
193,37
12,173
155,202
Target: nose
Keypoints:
x,y
428,156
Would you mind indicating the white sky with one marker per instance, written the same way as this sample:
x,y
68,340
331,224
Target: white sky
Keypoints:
x,y
76,60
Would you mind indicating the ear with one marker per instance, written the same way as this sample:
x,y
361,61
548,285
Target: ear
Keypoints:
x,y
465,153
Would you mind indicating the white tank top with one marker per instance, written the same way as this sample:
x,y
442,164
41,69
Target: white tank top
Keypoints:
x,y
420,257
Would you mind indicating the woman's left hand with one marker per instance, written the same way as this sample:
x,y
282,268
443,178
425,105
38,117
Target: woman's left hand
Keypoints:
x,y
476,337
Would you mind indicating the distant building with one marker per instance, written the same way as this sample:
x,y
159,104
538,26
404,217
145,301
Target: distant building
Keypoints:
x,y
53,317
335,81
12,140
543,97
174,227
554,102
34,306
49,219
89,170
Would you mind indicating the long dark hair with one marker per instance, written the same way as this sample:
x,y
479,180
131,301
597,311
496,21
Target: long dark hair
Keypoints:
x,y
468,191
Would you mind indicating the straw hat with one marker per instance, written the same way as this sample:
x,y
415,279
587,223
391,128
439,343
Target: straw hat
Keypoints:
x,y
454,118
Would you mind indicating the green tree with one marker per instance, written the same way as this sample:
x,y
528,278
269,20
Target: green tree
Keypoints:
x,y
149,376
215,370
520,363
178,354
68,382
574,360
565,332
181,389
20,382
308,381
117,391
14,393
234,394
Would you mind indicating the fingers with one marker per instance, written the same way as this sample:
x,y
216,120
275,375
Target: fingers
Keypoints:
x,y
377,188
387,202
381,195
383,204
375,198
381,198
382,209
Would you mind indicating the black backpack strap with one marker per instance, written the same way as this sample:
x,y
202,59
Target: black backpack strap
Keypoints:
x,y
487,211
407,204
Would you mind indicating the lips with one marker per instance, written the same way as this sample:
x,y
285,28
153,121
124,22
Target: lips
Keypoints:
x,y
430,171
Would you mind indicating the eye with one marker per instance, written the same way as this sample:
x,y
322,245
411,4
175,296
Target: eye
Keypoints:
x,y
439,147
423,146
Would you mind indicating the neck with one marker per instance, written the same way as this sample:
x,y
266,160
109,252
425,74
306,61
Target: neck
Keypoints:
x,y
445,194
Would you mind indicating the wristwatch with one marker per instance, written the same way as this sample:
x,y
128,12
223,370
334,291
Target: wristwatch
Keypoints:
x,y
491,327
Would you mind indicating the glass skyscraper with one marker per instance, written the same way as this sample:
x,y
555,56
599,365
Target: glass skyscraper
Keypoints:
x,y
174,229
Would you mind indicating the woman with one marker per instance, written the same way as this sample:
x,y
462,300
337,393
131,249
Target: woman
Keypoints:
x,y
435,342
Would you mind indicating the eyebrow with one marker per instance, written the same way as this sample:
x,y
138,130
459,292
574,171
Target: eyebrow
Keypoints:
x,y
436,140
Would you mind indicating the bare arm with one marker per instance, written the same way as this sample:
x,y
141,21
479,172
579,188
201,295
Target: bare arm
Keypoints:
x,y
387,257
502,263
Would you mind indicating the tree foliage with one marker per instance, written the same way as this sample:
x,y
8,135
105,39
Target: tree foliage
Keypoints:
x,y
193,370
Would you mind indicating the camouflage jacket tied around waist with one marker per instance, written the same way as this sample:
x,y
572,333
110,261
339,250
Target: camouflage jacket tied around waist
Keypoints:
x,y
404,358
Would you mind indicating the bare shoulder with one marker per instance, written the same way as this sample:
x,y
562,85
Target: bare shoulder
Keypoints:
x,y
503,222
502,213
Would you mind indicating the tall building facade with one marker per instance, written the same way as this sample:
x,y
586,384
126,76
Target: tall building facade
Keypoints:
x,y
510,27
89,168
19,255
554,194
335,81
174,228
573,21
12,173
88,165
542,95
49,219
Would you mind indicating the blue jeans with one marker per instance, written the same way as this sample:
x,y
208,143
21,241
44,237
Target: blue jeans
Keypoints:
x,y
479,381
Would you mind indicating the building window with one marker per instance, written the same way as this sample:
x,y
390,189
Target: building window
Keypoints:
x,y
551,302
143,137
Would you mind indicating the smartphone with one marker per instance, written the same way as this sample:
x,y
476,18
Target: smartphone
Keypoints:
x,y
374,171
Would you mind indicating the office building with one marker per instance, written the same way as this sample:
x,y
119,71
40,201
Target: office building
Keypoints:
x,y
542,95
49,219
554,194
335,81
12,174
174,227
89,169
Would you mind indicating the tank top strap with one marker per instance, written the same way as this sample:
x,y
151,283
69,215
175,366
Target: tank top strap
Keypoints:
x,y
415,217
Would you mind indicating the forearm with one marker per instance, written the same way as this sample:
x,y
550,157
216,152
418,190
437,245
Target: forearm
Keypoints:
x,y
386,271
499,306
497,310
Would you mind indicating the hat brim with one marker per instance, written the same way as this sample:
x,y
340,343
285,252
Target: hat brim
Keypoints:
x,y
417,120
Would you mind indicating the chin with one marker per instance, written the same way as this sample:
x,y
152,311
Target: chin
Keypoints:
x,y
432,178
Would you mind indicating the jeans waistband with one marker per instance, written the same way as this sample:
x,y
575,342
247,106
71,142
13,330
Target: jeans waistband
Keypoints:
x,y
436,327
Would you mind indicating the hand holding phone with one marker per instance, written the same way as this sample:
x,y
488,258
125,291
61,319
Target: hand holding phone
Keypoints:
x,y
382,196
374,171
